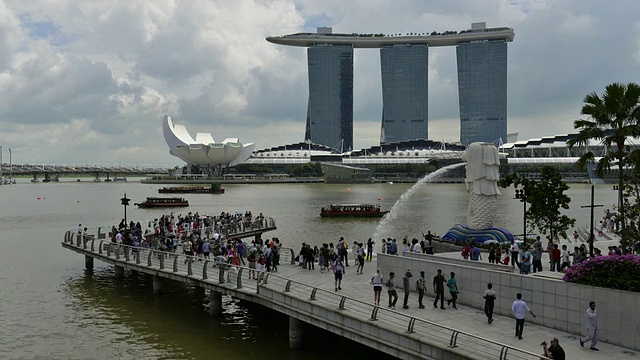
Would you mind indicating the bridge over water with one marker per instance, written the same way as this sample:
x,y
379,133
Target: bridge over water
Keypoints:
x,y
52,171
307,297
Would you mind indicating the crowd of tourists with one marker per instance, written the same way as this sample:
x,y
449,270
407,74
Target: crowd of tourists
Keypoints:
x,y
202,237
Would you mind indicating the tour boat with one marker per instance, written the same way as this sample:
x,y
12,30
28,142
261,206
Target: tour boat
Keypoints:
x,y
213,189
163,202
352,210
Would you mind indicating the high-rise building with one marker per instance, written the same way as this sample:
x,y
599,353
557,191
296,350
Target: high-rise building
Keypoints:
x,y
405,75
482,89
482,82
330,108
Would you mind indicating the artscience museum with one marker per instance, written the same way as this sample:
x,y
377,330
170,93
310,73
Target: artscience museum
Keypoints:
x,y
204,152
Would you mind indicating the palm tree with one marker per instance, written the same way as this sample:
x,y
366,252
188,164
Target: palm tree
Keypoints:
x,y
614,118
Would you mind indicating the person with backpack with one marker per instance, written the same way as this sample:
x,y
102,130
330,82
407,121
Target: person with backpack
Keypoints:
x,y
452,284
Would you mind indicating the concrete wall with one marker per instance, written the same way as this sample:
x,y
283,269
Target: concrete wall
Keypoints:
x,y
557,304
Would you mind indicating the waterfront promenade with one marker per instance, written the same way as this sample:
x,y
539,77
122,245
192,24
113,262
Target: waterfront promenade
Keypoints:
x,y
308,297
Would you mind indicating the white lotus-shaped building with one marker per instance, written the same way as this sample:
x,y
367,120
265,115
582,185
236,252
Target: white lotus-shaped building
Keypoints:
x,y
203,151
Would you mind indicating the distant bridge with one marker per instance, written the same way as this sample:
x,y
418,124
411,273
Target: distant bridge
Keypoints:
x,y
52,171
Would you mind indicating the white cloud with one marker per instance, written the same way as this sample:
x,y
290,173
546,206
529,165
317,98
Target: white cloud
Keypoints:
x,y
90,81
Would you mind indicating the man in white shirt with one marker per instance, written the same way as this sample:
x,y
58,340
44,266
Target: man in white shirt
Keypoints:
x,y
592,327
515,250
520,309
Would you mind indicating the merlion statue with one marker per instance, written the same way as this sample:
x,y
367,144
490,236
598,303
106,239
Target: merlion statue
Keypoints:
x,y
483,163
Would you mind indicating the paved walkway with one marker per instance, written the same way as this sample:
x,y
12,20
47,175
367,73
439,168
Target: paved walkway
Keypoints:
x,y
464,318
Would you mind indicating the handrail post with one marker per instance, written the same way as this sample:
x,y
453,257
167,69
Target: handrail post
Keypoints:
x,y
175,263
78,240
109,250
84,242
149,258
293,257
189,269
313,294
138,256
118,252
341,306
161,257
239,279
412,323
454,339
204,270
100,247
126,253
374,313
503,353
92,248
287,287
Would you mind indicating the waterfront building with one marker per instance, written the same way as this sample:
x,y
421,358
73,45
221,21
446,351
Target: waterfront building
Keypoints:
x,y
482,71
482,90
330,107
404,92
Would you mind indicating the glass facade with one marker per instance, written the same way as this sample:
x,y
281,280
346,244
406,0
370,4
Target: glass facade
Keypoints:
x,y
482,91
330,108
405,74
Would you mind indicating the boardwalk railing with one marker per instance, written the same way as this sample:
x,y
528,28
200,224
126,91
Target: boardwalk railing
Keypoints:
x,y
231,277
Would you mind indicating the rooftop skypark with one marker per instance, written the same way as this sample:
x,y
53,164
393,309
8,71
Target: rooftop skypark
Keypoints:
x,y
446,38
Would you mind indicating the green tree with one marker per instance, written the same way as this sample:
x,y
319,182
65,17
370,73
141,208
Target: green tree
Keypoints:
x,y
613,118
545,197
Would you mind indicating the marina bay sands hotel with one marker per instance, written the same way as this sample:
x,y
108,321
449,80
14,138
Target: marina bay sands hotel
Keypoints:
x,y
482,83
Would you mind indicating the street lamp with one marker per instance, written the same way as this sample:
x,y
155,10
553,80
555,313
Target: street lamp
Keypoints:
x,y
591,234
617,188
125,202
522,195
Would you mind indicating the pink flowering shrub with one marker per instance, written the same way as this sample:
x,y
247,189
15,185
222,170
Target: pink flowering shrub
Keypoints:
x,y
614,272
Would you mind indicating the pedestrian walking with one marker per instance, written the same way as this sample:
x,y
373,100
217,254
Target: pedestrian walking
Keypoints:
x,y
438,289
406,286
592,327
338,271
377,281
453,290
520,309
489,302
391,290
421,286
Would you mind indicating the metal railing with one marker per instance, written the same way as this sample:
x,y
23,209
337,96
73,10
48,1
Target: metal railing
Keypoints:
x,y
232,275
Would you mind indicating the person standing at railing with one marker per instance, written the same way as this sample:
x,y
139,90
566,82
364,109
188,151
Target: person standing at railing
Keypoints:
x,y
360,258
370,244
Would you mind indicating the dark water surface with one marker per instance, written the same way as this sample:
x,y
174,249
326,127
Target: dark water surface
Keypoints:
x,y
51,308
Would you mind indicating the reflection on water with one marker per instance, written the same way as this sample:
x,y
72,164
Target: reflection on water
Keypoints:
x,y
175,325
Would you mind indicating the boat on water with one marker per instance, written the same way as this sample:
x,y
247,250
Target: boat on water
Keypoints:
x,y
353,210
163,202
213,189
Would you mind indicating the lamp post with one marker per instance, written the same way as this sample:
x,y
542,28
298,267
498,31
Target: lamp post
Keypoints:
x,y
10,166
617,189
522,195
125,202
591,235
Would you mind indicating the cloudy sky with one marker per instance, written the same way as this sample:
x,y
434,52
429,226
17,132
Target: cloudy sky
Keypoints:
x,y
89,81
